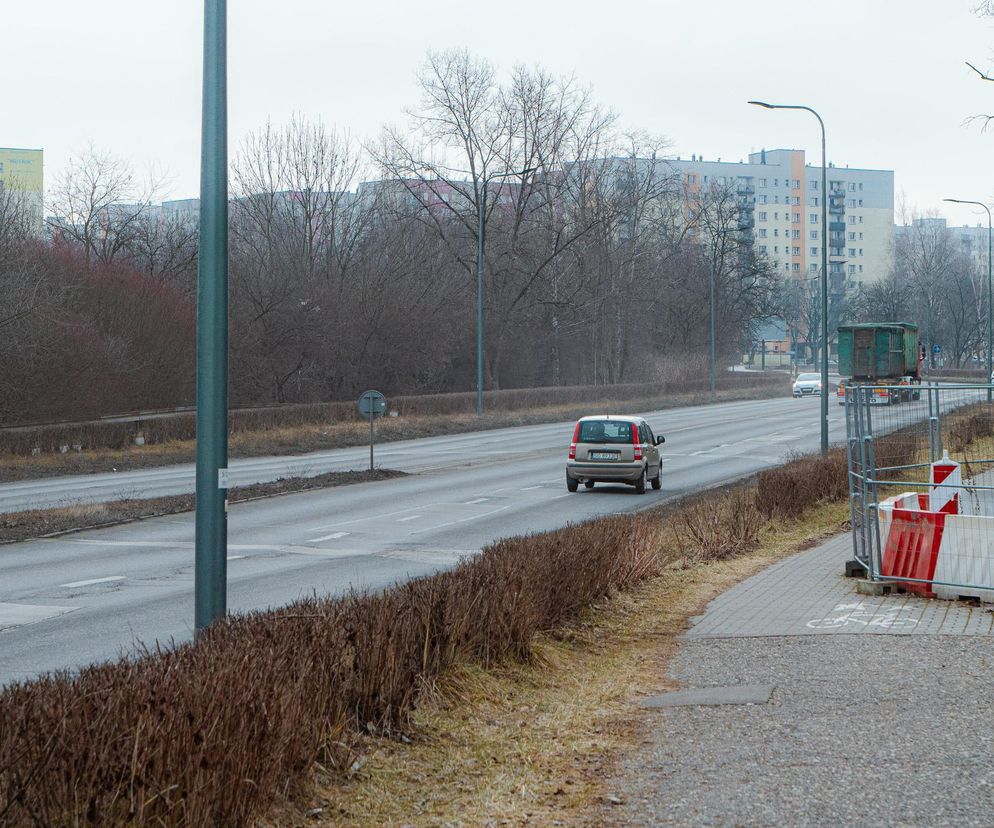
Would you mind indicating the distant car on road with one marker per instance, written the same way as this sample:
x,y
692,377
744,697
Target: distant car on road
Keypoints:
x,y
910,389
609,448
807,385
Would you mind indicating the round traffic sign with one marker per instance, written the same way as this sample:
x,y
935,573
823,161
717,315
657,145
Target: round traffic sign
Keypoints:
x,y
372,403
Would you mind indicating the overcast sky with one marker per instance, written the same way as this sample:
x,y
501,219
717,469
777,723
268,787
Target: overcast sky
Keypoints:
x,y
888,76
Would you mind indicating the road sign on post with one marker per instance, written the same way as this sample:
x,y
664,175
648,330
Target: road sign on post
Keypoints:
x,y
372,404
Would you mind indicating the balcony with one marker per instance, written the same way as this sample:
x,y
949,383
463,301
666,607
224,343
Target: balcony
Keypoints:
x,y
746,190
836,227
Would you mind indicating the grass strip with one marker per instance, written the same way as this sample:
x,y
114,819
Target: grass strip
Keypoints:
x,y
38,523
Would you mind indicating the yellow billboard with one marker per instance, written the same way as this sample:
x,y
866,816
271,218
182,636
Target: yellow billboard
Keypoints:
x,y
22,169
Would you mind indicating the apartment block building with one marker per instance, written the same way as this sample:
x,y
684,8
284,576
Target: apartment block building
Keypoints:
x,y
23,172
780,195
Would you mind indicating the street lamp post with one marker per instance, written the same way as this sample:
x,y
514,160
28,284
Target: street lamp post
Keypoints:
x,y
824,267
480,231
990,292
210,563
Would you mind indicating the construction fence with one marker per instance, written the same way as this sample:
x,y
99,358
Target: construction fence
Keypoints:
x,y
921,486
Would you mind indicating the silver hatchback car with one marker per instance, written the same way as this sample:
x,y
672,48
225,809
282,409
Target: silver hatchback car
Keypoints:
x,y
614,449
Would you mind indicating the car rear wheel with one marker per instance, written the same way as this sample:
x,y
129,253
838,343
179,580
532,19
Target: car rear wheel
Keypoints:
x,y
640,483
588,484
657,481
572,484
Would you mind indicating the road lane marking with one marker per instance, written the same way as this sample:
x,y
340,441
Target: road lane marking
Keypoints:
x,y
235,557
478,500
463,520
531,488
373,517
332,536
93,581
409,517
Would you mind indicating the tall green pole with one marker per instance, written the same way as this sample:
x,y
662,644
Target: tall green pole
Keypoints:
x,y
210,569
824,267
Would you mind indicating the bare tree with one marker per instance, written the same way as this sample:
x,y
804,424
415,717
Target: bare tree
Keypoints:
x,y
98,205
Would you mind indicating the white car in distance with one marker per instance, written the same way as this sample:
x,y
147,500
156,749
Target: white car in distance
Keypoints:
x,y
807,385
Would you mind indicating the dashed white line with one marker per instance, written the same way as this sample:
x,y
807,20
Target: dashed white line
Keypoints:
x,y
409,517
531,488
235,557
332,536
93,581
478,500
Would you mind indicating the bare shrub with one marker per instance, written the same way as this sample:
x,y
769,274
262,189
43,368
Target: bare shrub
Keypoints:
x,y
787,490
718,527
212,733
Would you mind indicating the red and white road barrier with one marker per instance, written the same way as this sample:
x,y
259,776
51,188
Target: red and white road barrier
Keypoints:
x,y
928,537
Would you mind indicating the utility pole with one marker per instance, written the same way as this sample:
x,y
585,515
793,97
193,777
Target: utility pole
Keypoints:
x,y
824,267
210,567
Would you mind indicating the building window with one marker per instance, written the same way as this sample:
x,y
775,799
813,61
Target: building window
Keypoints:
x,y
861,202
786,266
796,267
852,219
762,232
813,268
761,199
795,184
795,251
861,251
762,215
776,234
861,185
813,218
795,234
762,248
796,201
776,182
852,251
776,199
813,184
796,218
852,188
814,251
852,237
852,269
776,217
860,219
861,237
861,268
762,182
691,178
813,235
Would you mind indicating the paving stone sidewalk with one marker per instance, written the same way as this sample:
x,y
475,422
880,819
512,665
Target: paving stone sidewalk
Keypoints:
x,y
864,710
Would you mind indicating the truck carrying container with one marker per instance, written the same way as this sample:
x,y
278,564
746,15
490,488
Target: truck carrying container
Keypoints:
x,y
879,352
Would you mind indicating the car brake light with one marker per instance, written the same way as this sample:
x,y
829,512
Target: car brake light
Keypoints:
x,y
572,446
635,442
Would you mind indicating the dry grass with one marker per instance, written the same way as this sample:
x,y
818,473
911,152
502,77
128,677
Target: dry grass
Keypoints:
x,y
536,743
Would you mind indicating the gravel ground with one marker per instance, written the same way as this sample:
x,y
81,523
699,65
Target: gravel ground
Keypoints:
x,y
860,730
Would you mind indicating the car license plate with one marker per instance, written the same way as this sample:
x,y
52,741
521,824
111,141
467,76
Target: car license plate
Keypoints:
x,y
604,455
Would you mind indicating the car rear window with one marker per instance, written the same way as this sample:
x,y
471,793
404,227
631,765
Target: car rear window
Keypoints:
x,y
605,431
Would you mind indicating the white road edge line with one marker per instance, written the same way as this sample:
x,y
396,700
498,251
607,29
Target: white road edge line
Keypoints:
x,y
463,520
92,581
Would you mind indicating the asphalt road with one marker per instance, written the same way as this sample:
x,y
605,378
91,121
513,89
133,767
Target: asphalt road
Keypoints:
x,y
68,601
